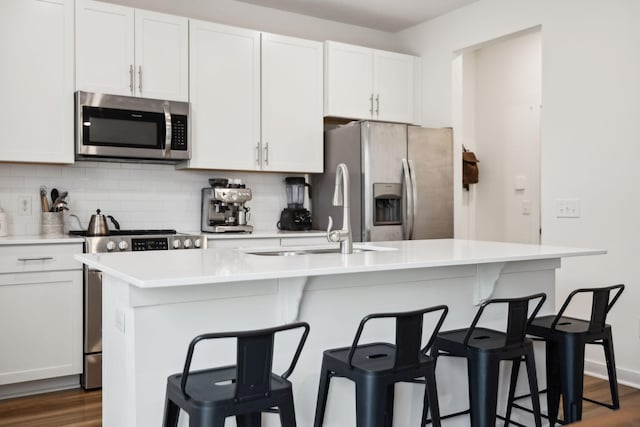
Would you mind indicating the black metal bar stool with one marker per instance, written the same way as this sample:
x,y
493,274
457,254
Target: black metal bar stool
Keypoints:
x,y
376,367
484,349
565,339
244,390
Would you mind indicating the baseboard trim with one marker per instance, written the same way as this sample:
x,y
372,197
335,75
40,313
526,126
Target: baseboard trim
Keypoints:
x,y
625,376
28,388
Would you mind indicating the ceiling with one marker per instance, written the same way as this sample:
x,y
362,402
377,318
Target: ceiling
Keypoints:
x,y
384,15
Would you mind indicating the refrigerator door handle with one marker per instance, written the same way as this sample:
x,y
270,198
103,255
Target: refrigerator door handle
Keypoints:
x,y
414,197
408,188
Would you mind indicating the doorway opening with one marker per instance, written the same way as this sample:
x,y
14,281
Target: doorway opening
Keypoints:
x,y
497,106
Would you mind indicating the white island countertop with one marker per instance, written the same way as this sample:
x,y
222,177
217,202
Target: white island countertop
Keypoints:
x,y
155,269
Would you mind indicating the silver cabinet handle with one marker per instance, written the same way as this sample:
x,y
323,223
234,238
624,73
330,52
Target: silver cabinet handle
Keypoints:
x,y
266,153
42,258
258,153
131,78
140,78
408,188
371,104
377,104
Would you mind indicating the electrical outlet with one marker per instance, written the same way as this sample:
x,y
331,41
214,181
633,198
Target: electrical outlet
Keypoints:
x,y
568,208
24,205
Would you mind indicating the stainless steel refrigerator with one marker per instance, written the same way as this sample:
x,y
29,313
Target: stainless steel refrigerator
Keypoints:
x,y
401,181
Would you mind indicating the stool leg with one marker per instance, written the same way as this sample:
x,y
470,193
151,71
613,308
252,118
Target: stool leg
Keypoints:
x,y
323,391
515,369
607,343
171,414
372,404
483,389
431,398
572,379
553,381
287,412
253,419
533,386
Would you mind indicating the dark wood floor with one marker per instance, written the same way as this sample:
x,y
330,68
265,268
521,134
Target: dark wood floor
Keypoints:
x,y
83,409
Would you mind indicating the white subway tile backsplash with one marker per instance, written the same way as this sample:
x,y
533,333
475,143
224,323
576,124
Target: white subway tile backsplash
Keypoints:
x,y
138,195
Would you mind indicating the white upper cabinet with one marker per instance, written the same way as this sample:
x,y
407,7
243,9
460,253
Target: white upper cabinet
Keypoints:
x,y
225,97
256,100
292,134
36,81
125,51
363,83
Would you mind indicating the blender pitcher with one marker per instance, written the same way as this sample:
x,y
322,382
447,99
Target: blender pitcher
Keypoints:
x,y
295,217
295,192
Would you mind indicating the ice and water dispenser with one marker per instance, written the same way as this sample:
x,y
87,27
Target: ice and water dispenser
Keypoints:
x,y
387,199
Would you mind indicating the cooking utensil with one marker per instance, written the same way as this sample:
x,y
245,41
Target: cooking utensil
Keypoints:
x,y
60,198
43,199
98,225
54,195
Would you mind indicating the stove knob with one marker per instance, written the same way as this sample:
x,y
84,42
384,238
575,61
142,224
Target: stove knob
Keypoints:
x,y
187,243
111,246
123,245
176,244
197,243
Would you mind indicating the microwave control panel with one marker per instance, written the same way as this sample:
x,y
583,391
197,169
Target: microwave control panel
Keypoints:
x,y
178,132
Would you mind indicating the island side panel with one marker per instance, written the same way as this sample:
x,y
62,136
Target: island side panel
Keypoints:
x,y
159,323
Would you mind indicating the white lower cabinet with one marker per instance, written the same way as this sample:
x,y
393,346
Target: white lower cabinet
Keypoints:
x,y
40,312
250,243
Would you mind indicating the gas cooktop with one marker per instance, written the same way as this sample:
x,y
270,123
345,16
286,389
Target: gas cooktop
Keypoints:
x,y
83,233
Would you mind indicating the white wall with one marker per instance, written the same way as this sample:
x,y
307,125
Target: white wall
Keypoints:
x,y
589,137
506,114
137,195
231,12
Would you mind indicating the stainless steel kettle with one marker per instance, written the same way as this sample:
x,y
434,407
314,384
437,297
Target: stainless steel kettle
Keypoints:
x,y
98,224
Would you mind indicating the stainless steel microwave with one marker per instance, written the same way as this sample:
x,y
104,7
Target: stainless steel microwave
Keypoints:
x,y
112,127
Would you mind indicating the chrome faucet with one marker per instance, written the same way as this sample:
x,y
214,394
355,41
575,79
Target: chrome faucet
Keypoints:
x,y
341,198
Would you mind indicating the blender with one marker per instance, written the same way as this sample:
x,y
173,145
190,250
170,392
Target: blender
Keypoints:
x,y
295,217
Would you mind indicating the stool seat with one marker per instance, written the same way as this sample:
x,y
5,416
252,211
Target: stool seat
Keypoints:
x,y
375,368
482,339
375,358
541,327
217,386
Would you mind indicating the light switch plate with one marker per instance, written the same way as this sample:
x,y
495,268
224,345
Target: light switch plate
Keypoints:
x,y
568,208
520,183
120,320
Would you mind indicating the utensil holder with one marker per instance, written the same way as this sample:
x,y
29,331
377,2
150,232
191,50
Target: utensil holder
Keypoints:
x,y
52,224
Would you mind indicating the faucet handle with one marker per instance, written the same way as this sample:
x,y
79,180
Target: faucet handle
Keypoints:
x,y
329,227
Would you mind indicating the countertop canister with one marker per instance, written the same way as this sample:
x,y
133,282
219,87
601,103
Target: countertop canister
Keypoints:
x,y
4,224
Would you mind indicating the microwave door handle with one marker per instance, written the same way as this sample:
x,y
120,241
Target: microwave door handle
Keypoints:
x,y
167,125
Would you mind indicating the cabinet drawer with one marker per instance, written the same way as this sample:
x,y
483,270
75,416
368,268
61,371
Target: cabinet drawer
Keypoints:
x,y
26,258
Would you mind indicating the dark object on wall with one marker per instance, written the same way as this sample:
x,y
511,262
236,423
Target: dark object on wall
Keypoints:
x,y
469,168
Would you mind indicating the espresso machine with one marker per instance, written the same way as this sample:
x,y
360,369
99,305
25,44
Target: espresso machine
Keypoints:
x,y
223,207
295,217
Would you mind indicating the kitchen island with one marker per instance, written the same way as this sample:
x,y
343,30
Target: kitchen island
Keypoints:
x,y
154,303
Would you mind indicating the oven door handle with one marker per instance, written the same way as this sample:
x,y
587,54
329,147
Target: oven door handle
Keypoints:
x,y
167,125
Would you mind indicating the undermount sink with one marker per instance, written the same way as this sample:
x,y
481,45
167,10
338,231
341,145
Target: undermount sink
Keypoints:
x,y
293,252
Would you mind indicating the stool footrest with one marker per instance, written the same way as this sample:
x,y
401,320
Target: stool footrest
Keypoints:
x,y
523,408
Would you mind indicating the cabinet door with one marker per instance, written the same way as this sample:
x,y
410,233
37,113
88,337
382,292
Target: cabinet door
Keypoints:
x,y
41,336
225,97
393,85
105,48
291,104
36,81
348,81
161,56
